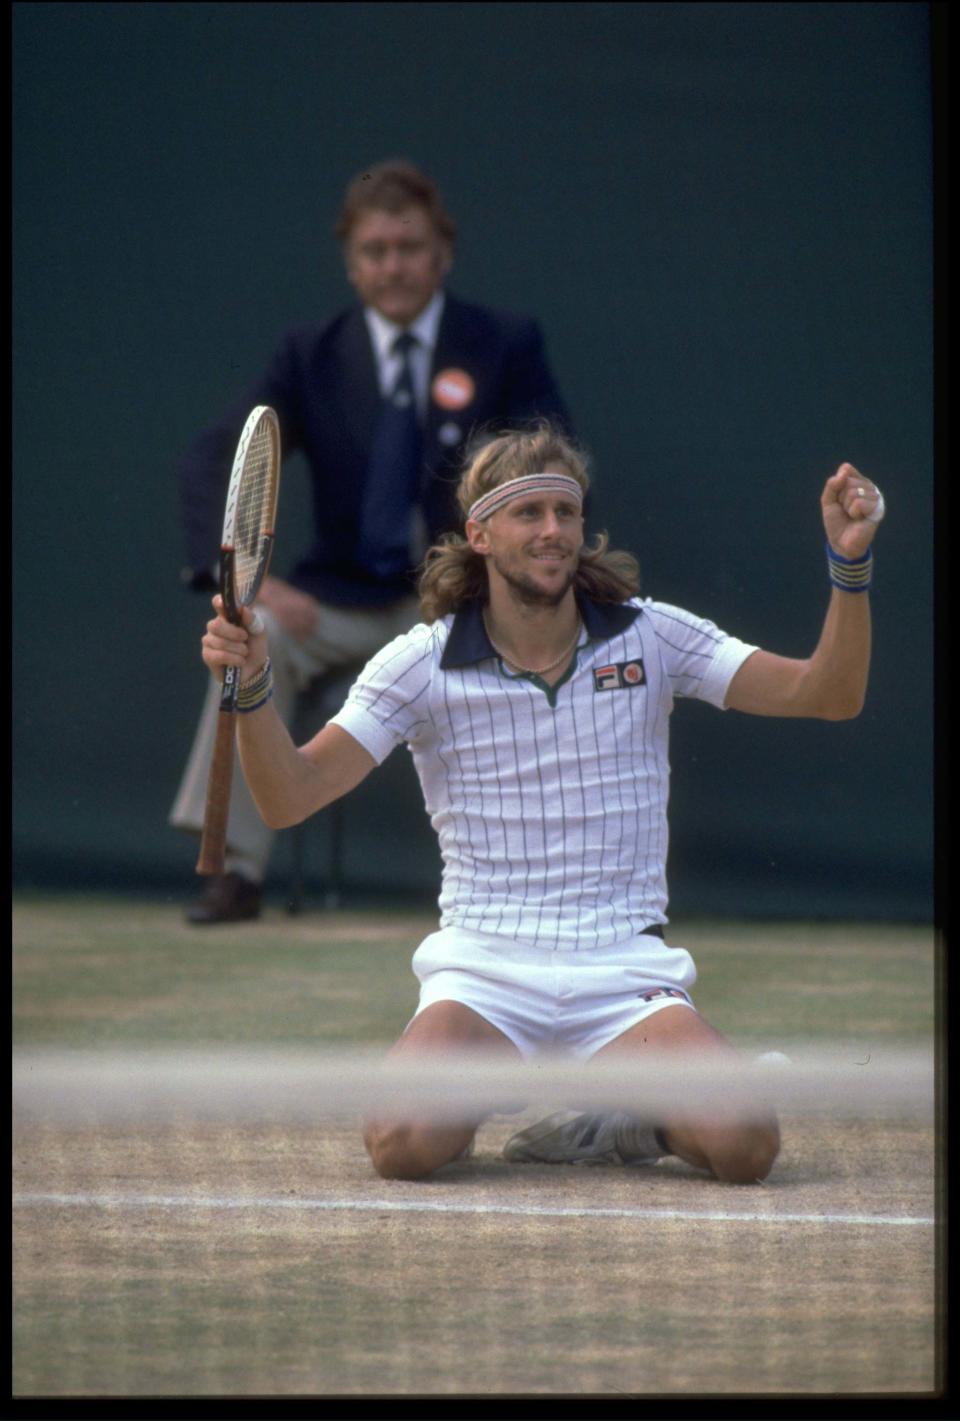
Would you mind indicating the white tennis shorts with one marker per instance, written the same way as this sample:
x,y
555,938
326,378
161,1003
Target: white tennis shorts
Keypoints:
x,y
545,999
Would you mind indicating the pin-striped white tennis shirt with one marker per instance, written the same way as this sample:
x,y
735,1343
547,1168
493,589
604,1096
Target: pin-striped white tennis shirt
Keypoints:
x,y
550,803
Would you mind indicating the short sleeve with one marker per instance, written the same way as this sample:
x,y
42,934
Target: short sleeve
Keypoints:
x,y
388,703
700,660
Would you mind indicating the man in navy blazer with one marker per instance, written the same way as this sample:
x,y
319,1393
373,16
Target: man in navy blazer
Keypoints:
x,y
467,367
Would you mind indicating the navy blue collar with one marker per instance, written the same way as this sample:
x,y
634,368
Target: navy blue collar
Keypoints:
x,y
468,641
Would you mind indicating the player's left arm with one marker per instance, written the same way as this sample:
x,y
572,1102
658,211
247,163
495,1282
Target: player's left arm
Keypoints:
x,y
832,683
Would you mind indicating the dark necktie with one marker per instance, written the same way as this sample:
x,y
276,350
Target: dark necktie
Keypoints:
x,y
393,475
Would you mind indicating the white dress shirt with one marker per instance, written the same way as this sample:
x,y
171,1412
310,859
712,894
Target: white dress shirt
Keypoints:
x,y
383,333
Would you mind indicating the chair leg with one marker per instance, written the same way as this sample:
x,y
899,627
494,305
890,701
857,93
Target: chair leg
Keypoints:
x,y
316,705
295,895
334,893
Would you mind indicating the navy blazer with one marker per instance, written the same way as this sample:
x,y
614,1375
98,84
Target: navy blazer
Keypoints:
x,y
323,385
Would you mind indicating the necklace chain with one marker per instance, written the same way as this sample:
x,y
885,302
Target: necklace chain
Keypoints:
x,y
533,670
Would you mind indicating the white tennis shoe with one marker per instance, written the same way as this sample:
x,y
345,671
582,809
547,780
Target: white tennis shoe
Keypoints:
x,y
572,1137
576,1137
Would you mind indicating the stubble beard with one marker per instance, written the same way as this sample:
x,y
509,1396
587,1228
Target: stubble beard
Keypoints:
x,y
528,593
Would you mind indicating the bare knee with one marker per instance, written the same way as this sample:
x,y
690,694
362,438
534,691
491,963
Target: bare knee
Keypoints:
x,y
736,1152
401,1150
745,1155
393,1153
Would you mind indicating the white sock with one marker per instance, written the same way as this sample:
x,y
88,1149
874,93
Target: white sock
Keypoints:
x,y
247,868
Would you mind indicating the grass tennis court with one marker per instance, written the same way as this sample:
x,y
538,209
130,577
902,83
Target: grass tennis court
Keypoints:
x,y
242,1260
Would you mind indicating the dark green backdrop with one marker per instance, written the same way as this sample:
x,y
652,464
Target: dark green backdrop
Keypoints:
x,y
722,214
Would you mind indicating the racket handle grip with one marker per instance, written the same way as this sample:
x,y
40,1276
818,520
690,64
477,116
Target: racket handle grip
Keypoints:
x,y
213,844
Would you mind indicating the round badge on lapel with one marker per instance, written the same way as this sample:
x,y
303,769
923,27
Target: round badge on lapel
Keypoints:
x,y
452,389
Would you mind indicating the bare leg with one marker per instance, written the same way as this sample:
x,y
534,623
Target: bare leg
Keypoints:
x,y
739,1148
410,1149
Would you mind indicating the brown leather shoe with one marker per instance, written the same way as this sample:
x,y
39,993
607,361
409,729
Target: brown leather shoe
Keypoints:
x,y
229,898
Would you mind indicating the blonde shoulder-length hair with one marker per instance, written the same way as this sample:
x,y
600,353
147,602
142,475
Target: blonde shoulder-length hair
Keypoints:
x,y
453,573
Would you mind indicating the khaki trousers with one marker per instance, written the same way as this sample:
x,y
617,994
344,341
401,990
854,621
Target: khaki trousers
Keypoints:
x,y
341,635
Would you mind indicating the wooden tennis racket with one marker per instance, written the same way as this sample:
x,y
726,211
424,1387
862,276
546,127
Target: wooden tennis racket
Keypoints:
x,y
246,545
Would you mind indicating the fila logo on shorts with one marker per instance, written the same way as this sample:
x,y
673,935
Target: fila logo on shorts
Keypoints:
x,y
622,676
663,992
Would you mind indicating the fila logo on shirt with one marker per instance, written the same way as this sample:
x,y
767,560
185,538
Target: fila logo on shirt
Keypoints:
x,y
621,677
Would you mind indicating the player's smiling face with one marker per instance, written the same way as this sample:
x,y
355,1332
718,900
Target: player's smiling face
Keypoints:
x,y
396,261
532,545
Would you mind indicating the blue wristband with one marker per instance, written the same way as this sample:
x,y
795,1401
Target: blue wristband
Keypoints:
x,y
257,691
850,574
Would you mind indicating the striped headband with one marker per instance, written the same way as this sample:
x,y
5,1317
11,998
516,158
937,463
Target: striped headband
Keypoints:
x,y
488,503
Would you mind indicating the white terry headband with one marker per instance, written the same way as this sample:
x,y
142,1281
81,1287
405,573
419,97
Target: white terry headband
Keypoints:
x,y
518,488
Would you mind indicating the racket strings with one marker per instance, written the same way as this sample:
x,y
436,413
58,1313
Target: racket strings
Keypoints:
x,y
254,513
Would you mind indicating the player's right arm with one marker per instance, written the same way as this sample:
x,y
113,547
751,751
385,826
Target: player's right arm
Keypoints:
x,y
288,784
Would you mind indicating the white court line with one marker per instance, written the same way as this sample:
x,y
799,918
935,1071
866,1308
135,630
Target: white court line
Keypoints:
x,y
413,1206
